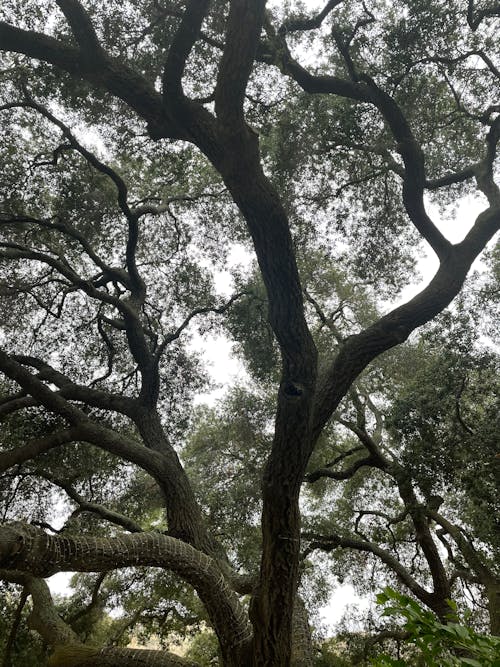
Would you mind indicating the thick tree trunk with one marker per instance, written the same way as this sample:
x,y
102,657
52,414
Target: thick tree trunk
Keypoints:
x,y
493,595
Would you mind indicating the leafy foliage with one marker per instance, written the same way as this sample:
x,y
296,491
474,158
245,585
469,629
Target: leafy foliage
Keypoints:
x,y
440,645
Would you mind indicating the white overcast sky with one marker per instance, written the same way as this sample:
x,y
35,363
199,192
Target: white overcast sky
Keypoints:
x,y
225,370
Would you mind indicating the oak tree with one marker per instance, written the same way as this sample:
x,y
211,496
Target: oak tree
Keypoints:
x,y
140,141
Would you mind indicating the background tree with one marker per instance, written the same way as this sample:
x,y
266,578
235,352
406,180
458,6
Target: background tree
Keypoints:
x,y
142,140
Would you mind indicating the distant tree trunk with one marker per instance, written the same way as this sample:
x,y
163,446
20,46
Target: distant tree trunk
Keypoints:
x,y
302,648
493,595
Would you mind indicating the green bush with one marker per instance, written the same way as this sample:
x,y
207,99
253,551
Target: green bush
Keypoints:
x,y
440,644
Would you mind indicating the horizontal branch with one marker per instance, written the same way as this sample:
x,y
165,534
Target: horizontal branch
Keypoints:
x,y
475,17
70,390
35,447
14,404
347,473
28,549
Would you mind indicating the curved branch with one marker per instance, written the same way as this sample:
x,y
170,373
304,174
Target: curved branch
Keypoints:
x,y
169,338
69,231
414,176
37,446
474,18
81,27
134,280
244,24
26,548
69,651
95,508
72,391
178,53
15,403
295,24
347,473
359,350
109,73
329,543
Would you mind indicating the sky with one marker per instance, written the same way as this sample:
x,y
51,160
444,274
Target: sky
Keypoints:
x,y
225,369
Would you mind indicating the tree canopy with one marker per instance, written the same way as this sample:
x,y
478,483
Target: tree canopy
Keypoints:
x,y
142,143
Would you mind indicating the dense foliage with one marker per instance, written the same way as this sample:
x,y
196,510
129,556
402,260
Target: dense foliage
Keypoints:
x,y
180,172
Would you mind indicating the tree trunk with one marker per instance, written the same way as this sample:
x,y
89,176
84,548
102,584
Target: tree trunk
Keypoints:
x,y
493,595
302,648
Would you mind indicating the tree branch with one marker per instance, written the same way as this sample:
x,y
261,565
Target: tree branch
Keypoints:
x,y
169,338
95,508
347,473
332,542
15,403
68,650
37,446
77,392
180,48
474,18
26,548
466,548
82,28
133,280
244,24
9,645
359,350
295,24
109,73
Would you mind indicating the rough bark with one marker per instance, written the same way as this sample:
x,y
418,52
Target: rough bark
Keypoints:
x,y
304,404
26,548
68,650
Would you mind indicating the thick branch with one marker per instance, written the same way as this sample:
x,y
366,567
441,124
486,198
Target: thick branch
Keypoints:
x,y
414,177
9,644
474,18
242,37
178,53
359,350
13,404
81,27
29,549
37,446
108,73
